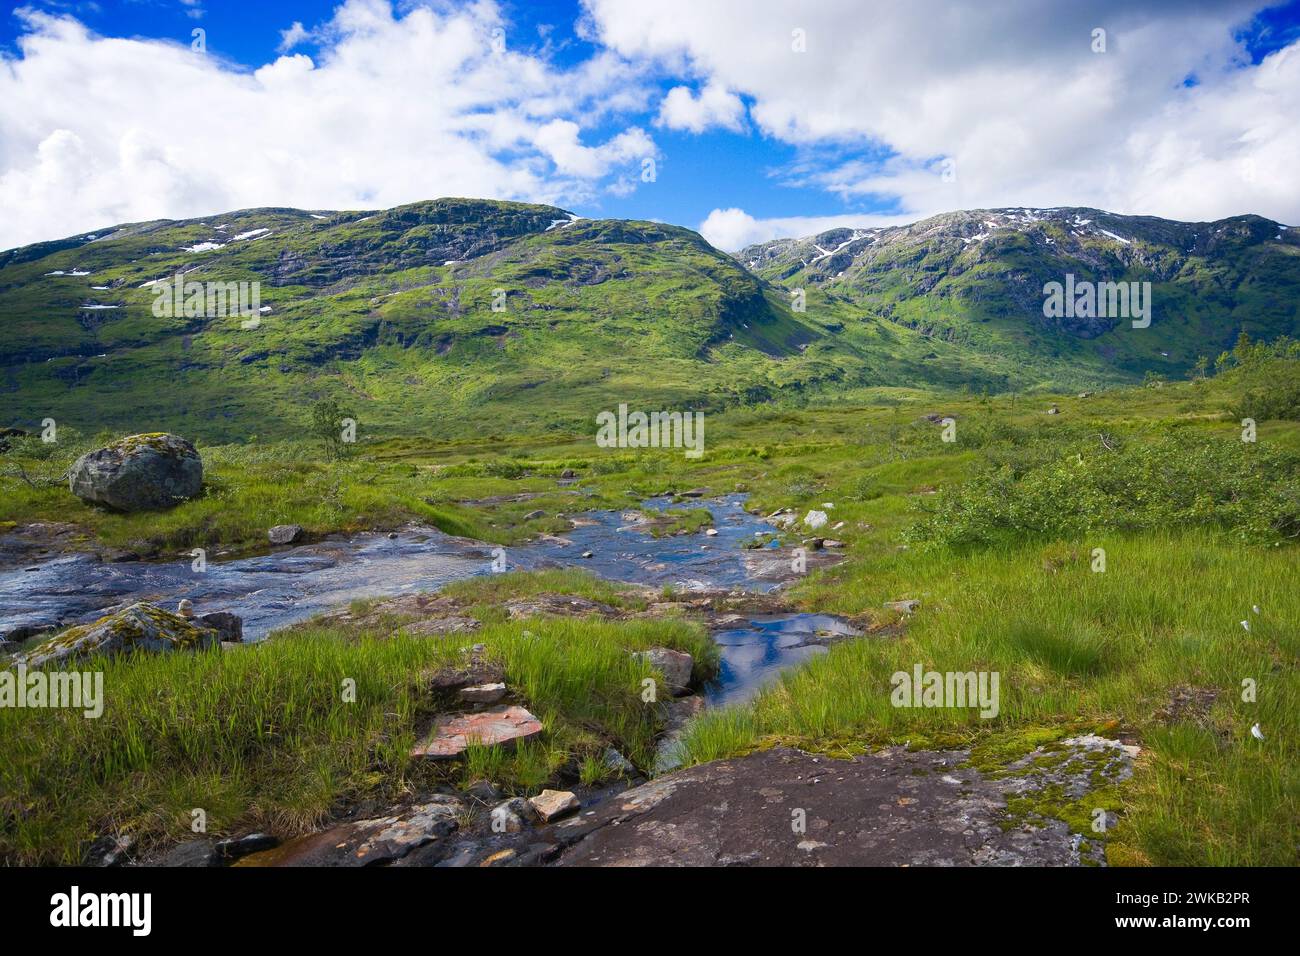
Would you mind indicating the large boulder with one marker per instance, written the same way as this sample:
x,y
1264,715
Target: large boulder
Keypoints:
x,y
139,473
139,627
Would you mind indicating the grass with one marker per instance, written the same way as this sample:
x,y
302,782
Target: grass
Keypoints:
x,y
1186,514
261,737
1074,646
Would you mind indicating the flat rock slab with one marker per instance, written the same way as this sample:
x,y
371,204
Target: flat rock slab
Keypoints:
x,y
892,808
379,841
452,734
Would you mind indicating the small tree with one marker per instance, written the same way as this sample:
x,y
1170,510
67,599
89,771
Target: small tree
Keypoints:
x,y
327,426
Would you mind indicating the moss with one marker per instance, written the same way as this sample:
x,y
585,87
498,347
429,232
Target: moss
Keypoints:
x,y
161,442
992,755
126,626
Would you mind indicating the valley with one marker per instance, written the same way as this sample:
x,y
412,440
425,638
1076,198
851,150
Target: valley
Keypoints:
x,y
917,469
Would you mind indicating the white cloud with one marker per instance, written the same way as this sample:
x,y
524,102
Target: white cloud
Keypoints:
x,y
733,229
558,139
291,37
397,108
713,107
1009,90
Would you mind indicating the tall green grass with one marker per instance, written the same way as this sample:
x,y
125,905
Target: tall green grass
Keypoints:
x,y
1077,647
260,736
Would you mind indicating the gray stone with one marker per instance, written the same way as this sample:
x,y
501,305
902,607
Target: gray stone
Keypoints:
x,y
615,762
483,693
284,533
140,627
229,626
512,815
109,850
675,666
138,473
370,842
895,807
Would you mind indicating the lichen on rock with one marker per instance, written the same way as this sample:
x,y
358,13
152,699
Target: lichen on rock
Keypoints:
x,y
139,473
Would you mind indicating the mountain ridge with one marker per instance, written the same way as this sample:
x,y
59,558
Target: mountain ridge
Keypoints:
x,y
441,311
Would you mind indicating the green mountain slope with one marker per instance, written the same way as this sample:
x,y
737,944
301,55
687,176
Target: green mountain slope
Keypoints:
x,y
474,317
976,278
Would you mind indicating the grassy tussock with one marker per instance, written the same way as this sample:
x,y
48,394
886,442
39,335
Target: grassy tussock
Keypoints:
x,y
261,736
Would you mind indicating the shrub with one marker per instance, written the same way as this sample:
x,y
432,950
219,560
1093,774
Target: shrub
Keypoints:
x,y
1177,481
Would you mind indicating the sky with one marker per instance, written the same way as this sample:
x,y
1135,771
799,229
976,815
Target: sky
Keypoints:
x,y
745,119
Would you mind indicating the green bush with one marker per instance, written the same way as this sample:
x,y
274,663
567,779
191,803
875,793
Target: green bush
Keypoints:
x,y
1176,481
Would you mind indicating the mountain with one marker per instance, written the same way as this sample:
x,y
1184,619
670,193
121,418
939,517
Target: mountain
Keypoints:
x,y
475,317
977,278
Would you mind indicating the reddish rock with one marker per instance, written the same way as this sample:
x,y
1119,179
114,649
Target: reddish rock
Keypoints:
x,y
453,733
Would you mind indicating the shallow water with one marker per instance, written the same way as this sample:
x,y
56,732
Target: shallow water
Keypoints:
x,y
755,652
282,587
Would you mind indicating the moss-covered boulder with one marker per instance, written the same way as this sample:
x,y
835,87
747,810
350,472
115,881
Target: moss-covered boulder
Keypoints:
x,y
140,627
139,473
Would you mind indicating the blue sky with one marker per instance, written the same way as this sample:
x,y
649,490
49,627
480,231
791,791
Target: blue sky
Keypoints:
x,y
887,113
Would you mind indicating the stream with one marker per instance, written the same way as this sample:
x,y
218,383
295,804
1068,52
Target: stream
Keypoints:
x,y
273,590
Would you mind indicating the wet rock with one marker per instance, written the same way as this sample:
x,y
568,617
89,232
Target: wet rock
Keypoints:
x,y
676,714
229,626
284,533
371,842
568,473
138,473
190,854
695,493
550,804
21,632
483,693
615,762
452,734
711,532
185,608
676,667
236,848
588,554
140,627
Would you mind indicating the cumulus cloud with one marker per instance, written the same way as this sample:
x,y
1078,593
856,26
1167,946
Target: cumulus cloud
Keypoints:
x,y
928,107
397,107
733,229
713,107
